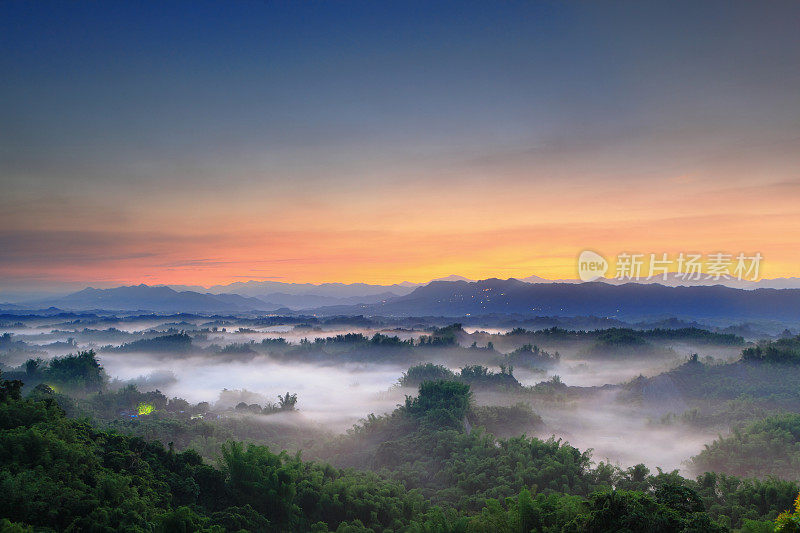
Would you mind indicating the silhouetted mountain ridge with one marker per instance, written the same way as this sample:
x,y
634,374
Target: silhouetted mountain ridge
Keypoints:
x,y
463,298
160,299
460,298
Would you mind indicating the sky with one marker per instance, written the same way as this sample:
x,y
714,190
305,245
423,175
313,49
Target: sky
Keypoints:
x,y
210,142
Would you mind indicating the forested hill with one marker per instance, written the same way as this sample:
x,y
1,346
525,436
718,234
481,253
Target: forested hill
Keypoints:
x,y
631,300
61,474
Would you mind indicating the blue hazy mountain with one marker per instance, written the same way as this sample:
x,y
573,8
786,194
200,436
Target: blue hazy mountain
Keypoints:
x,y
512,296
159,299
460,298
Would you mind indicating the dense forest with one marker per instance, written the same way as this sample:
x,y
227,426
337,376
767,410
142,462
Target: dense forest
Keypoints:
x,y
61,473
420,468
83,451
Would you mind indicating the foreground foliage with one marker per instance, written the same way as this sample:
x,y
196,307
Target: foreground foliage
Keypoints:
x,y
427,467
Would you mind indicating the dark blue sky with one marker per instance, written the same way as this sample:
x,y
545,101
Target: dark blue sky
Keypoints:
x,y
185,76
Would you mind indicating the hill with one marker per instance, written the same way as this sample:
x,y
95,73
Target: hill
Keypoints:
x,y
159,299
630,301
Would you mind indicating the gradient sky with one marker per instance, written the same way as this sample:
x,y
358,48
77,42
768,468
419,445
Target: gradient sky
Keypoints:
x,y
203,143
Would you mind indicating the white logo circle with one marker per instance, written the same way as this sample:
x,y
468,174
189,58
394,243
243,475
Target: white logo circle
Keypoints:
x,y
591,266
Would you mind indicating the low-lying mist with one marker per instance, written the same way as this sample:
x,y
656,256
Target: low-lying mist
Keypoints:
x,y
341,373
334,395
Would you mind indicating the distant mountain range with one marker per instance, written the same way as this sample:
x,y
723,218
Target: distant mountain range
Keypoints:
x,y
260,289
675,280
156,299
452,296
632,300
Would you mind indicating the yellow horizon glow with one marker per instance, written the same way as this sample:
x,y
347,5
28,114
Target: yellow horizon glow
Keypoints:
x,y
513,226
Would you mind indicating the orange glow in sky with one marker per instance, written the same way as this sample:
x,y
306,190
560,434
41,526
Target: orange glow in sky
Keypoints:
x,y
486,230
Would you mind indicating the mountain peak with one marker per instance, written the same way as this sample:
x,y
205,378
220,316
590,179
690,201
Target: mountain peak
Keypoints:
x,y
453,277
